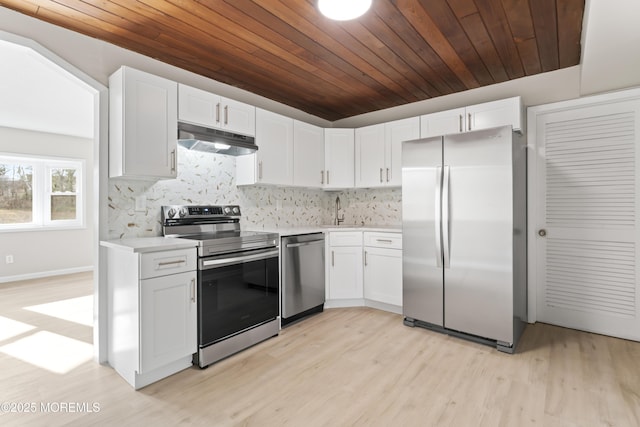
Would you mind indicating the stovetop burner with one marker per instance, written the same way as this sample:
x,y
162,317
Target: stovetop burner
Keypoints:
x,y
215,228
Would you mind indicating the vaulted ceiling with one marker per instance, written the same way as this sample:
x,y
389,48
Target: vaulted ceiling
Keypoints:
x,y
401,51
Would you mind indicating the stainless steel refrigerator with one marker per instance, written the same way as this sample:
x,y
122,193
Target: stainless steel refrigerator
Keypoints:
x,y
464,235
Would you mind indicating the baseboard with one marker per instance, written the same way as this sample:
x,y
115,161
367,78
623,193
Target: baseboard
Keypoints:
x,y
383,306
344,303
41,274
361,302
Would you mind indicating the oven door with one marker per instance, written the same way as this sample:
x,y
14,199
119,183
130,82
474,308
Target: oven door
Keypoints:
x,y
235,292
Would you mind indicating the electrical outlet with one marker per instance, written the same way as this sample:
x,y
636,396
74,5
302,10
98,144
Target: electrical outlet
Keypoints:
x,y
140,204
9,259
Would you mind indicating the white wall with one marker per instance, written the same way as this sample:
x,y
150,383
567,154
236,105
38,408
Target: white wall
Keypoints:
x,y
611,36
38,253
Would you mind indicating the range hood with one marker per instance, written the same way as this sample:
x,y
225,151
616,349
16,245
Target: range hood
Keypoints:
x,y
200,138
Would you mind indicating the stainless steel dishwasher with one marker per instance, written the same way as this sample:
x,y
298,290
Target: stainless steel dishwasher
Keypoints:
x,y
302,276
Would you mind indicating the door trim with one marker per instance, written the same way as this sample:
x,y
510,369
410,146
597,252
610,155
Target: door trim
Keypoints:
x,y
100,189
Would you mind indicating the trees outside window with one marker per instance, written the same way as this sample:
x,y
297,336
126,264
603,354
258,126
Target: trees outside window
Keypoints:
x,y
40,192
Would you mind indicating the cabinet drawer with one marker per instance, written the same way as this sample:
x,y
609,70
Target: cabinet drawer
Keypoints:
x,y
162,263
345,238
383,240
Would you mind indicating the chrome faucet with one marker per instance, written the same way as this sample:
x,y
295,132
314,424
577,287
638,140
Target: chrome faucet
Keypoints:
x,y
338,219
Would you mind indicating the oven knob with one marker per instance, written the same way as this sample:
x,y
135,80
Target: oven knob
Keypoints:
x,y
171,213
182,213
227,210
236,210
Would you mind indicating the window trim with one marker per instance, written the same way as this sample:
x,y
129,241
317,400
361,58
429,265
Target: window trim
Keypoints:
x,y
41,203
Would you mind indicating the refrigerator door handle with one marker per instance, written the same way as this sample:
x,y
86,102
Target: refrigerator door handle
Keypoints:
x,y
438,216
445,216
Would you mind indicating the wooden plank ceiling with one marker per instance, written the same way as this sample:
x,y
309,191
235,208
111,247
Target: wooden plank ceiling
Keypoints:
x,y
401,51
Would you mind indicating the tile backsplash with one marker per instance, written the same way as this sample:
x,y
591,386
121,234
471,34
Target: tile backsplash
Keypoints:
x,y
210,179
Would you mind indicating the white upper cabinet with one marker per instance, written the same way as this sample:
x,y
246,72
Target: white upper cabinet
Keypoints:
x,y
208,109
475,117
442,123
338,159
273,162
308,155
394,134
143,125
378,152
370,153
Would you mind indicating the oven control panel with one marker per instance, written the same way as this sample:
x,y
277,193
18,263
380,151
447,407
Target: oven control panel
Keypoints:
x,y
176,212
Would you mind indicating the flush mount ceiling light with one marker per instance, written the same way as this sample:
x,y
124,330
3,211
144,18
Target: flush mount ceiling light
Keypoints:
x,y
343,10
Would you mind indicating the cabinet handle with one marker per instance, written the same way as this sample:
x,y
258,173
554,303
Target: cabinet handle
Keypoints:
x,y
173,160
384,241
165,263
387,174
260,169
218,112
365,258
460,117
226,114
193,290
322,177
327,177
332,259
469,122
380,174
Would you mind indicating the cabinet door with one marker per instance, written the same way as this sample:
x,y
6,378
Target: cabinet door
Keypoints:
x,y
383,275
396,132
238,117
442,123
198,106
168,319
345,272
370,156
308,155
339,158
274,137
494,114
143,125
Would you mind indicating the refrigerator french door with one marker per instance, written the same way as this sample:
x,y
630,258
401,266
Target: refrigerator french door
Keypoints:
x,y
463,216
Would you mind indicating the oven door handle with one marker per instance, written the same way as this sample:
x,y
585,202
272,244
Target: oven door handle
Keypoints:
x,y
222,262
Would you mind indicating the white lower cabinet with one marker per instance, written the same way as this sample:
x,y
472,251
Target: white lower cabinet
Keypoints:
x,y
152,313
344,273
383,275
364,268
167,319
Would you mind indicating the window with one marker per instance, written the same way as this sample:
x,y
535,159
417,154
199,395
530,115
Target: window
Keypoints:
x,y
37,192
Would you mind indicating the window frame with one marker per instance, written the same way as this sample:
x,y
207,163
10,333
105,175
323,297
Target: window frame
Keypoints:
x,y
42,168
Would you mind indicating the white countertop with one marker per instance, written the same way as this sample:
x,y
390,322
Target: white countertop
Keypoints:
x,y
292,231
155,244
149,244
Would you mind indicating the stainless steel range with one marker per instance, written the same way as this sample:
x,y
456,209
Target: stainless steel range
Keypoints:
x,y
238,279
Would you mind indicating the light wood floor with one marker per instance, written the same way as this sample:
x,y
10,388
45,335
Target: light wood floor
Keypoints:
x,y
344,367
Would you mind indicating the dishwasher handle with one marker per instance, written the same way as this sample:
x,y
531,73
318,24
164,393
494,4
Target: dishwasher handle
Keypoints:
x,y
310,242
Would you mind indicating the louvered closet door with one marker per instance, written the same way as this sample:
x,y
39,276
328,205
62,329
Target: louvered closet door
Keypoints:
x,y
588,204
